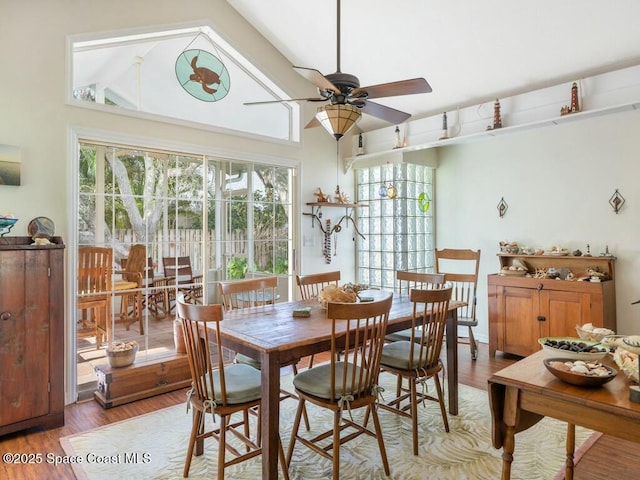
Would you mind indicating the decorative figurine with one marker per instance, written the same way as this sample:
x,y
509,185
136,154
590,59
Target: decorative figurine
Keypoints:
x,y
445,129
321,197
360,150
588,254
497,119
575,105
398,143
340,197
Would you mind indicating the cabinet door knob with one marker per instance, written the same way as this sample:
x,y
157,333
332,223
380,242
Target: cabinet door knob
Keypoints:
x,y
539,287
5,315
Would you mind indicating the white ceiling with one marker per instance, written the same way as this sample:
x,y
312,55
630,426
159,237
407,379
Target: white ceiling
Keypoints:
x,y
469,51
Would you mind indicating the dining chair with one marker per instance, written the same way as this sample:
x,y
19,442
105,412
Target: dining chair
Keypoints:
x,y
222,390
418,359
461,269
253,292
311,285
406,282
129,286
180,271
342,386
94,272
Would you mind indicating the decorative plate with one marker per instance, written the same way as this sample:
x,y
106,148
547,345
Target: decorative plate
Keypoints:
x,y
567,347
203,75
41,227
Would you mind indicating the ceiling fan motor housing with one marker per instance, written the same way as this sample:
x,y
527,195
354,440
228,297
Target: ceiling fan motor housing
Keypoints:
x,y
345,82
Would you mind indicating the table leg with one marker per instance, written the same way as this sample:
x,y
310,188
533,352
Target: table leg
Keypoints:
x,y
571,446
510,417
270,417
452,360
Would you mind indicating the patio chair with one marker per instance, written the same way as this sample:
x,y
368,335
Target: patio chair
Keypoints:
x,y
221,390
95,266
179,270
418,359
358,329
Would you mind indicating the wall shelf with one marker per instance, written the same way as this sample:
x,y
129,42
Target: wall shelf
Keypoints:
x,y
348,162
316,215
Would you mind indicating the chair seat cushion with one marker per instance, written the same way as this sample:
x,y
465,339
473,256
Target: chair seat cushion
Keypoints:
x,y
242,383
247,360
317,380
396,355
467,322
124,285
404,335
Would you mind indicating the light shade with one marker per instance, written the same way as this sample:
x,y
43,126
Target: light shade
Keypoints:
x,y
338,119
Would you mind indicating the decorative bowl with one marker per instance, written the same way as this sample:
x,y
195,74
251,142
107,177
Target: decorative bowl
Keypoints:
x,y
567,347
121,354
559,367
593,334
7,221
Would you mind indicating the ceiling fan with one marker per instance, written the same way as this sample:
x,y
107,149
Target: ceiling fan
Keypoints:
x,y
343,89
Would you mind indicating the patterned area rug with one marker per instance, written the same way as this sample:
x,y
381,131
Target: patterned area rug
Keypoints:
x,y
153,446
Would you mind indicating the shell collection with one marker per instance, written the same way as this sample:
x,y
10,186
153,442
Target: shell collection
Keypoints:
x,y
592,369
326,250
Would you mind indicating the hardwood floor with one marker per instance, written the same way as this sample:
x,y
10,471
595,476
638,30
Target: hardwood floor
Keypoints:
x,y
608,458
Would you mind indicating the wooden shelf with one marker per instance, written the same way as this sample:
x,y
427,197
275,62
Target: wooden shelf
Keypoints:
x,y
335,204
475,136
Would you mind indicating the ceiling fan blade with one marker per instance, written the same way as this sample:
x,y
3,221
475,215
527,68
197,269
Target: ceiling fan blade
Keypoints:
x,y
287,100
389,114
394,89
313,123
319,80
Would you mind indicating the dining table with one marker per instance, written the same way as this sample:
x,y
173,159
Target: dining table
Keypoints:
x,y
272,334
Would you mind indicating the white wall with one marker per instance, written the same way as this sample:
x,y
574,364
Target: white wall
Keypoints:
x,y
35,117
557,181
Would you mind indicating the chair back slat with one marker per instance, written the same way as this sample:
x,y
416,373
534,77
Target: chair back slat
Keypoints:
x,y
95,268
251,292
311,285
461,267
429,316
200,326
423,281
179,268
357,333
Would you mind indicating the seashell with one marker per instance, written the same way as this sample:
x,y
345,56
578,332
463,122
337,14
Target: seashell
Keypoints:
x,y
579,369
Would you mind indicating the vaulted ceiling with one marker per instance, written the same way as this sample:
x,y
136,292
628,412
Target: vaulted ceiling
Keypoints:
x,y
469,51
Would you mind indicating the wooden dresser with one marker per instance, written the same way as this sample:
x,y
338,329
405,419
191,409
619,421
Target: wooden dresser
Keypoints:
x,y
31,334
523,309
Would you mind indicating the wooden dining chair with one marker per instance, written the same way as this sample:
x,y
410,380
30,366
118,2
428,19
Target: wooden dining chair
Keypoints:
x,y
311,285
418,359
180,271
412,280
221,390
461,270
253,292
358,329
94,272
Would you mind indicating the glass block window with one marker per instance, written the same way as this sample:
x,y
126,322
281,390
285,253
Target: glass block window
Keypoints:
x,y
399,232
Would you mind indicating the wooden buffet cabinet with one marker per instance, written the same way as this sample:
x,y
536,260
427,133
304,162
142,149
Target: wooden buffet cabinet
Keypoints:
x,y
524,309
31,334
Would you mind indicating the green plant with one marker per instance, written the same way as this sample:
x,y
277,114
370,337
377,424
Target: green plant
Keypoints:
x,y
237,268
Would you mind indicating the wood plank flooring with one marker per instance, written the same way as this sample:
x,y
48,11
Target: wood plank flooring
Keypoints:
x,y
608,458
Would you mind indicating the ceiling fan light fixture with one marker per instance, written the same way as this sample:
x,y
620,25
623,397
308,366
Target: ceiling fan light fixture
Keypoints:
x,y
338,119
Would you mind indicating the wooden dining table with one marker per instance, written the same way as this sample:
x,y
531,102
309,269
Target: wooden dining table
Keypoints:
x,y
523,393
272,334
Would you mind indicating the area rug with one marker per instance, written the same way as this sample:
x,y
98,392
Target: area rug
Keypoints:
x,y
153,446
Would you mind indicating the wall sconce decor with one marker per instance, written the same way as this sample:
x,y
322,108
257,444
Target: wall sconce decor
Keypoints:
x,y
616,201
502,207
